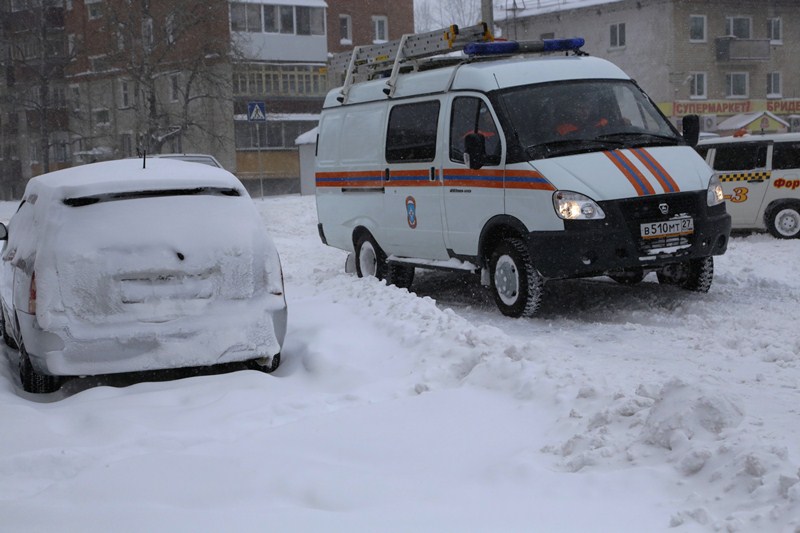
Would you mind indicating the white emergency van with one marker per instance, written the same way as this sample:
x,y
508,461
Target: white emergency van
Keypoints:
x,y
520,168
760,176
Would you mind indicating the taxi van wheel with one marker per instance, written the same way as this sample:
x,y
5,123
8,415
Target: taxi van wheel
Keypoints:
x,y
33,381
783,221
693,275
399,275
516,284
630,277
370,259
261,365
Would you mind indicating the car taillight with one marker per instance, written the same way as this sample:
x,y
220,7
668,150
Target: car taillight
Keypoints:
x,y
32,295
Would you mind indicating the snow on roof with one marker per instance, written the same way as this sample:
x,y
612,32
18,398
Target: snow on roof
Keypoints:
x,y
743,119
528,8
309,137
129,175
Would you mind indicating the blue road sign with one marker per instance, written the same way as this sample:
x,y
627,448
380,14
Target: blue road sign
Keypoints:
x,y
256,112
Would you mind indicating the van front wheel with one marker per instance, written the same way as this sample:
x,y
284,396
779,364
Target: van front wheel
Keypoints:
x,y
693,275
370,259
516,284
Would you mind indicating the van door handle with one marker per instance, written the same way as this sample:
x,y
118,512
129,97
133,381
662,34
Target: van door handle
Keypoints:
x,y
386,175
433,174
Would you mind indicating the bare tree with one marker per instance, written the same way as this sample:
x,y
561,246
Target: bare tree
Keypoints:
x,y
432,15
176,56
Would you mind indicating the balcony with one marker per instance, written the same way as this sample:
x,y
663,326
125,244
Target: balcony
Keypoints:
x,y
735,49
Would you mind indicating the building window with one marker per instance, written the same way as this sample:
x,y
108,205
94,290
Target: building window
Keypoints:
x,y
174,87
738,27
254,24
697,28
61,152
617,35
94,9
736,85
310,20
280,80
126,144
286,19
238,16
345,29
58,97
697,87
102,117
147,32
170,27
381,26
775,31
76,98
773,85
124,94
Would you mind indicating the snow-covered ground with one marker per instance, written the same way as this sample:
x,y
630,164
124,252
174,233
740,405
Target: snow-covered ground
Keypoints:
x,y
617,409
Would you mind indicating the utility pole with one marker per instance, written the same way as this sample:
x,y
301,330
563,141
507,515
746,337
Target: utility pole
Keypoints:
x,y
487,14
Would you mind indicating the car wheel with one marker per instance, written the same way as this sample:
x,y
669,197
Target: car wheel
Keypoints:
x,y
370,259
783,222
631,277
399,275
261,365
693,275
516,284
6,337
33,381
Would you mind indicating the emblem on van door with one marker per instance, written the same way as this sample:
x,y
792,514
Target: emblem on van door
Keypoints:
x,y
664,208
411,212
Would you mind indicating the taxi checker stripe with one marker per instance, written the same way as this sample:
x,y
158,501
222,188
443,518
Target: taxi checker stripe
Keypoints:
x,y
749,176
652,164
370,178
628,169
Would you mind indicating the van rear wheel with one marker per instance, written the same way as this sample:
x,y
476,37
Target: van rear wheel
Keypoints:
x,y
516,284
370,259
693,275
783,222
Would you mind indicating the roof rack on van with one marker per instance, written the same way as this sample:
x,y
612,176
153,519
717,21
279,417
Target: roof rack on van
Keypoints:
x,y
375,60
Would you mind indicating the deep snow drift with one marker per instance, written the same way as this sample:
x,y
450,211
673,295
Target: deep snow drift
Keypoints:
x,y
624,409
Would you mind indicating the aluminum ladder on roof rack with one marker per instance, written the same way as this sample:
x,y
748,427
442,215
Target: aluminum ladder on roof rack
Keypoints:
x,y
366,61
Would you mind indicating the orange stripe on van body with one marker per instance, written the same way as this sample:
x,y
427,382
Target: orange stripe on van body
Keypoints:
x,y
496,179
629,170
652,164
367,178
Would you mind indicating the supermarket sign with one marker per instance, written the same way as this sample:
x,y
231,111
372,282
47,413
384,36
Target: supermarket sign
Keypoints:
x,y
783,106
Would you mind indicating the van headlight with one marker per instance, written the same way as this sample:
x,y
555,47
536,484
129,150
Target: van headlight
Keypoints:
x,y
575,206
714,196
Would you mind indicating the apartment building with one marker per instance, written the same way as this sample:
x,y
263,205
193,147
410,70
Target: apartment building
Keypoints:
x,y
240,80
733,62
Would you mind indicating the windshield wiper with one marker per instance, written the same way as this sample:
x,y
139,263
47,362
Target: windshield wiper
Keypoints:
x,y
637,138
570,146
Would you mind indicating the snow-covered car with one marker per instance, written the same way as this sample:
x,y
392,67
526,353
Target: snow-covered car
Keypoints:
x,y
120,267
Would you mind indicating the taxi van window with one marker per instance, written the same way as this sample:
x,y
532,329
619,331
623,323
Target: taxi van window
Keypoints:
x,y
785,155
737,156
472,115
412,132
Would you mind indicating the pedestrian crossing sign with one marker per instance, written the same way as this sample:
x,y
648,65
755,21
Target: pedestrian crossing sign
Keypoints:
x,y
256,112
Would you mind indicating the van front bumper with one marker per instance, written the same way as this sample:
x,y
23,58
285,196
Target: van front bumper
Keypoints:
x,y
597,247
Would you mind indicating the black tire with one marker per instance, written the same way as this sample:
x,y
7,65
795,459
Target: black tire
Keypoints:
x,y
6,337
370,259
33,381
255,364
400,275
516,284
630,277
783,221
693,275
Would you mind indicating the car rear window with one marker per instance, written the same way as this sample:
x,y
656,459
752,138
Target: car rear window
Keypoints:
x,y
80,201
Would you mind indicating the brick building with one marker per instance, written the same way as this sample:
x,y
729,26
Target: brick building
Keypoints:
x,y
720,59
173,76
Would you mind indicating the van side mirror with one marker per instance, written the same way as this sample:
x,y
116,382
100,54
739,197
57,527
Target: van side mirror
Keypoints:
x,y
3,232
474,150
691,129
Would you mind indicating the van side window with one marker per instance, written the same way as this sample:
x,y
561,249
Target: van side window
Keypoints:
x,y
738,156
412,132
785,155
471,115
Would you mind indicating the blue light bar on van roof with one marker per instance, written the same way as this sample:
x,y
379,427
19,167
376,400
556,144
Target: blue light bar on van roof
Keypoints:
x,y
512,47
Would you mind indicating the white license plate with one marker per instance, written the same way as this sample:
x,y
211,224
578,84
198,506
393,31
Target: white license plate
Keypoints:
x,y
667,228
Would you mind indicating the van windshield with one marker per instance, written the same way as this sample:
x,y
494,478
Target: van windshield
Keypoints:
x,y
563,118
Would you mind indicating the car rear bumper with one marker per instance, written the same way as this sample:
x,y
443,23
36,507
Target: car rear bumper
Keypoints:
x,y
187,342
